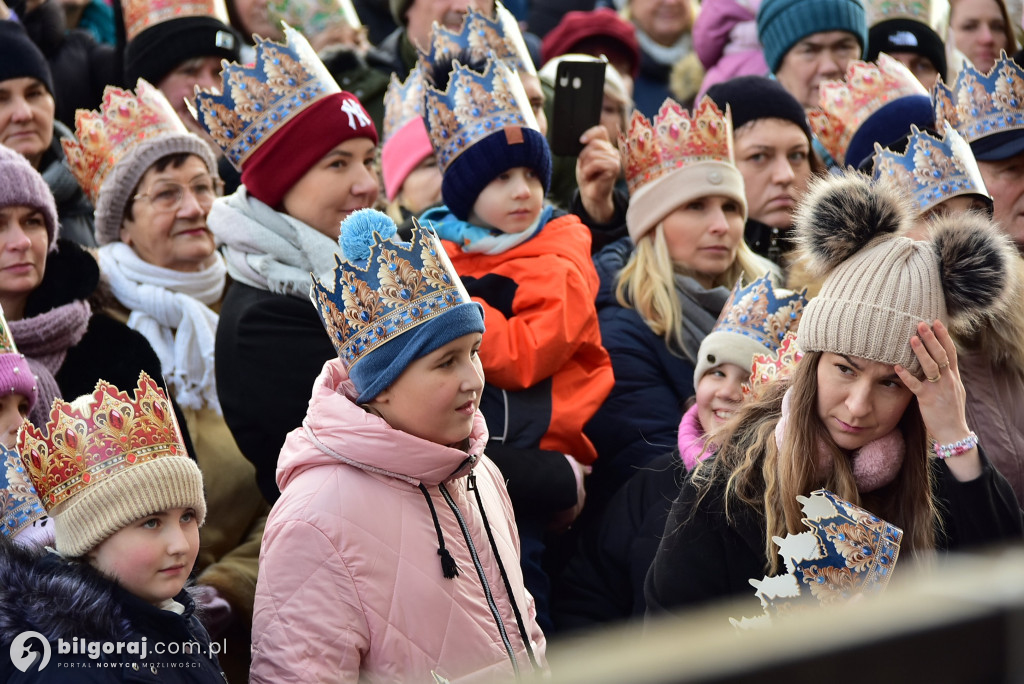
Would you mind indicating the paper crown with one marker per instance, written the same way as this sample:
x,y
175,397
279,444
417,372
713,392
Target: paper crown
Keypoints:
x,y
883,10
258,100
139,15
481,38
124,120
404,101
757,312
846,551
980,104
19,502
83,446
390,288
312,17
774,365
473,107
932,170
674,140
846,105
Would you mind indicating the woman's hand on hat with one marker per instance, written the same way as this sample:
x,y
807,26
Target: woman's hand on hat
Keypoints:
x,y
597,169
941,395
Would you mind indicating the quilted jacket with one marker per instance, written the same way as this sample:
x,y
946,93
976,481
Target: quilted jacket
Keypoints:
x,y
351,584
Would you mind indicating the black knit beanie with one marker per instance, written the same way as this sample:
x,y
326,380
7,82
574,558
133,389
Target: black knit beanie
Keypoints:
x,y
907,35
161,48
20,58
756,97
509,148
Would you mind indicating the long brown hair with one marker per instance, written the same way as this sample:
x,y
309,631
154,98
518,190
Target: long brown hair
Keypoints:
x,y
760,475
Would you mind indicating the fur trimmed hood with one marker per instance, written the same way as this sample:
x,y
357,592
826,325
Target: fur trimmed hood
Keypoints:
x,y
59,598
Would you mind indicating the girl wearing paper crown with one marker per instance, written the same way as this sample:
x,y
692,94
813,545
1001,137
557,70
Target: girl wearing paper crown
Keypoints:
x,y
604,579
391,517
306,151
126,503
664,286
874,412
153,184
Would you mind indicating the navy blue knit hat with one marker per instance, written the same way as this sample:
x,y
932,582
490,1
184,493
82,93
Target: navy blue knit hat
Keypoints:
x,y
20,58
391,302
474,169
781,24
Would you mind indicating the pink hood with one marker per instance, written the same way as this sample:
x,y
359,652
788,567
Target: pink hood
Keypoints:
x,y
366,441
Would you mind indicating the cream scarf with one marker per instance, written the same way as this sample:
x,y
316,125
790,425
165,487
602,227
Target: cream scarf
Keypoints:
x,y
172,310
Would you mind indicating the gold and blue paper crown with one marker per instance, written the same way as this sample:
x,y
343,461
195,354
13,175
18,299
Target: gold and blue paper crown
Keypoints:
x,y
480,38
404,101
980,105
759,312
473,107
19,503
845,551
256,101
932,170
384,288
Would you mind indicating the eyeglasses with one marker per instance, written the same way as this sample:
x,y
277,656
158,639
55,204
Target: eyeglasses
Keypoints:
x,y
167,197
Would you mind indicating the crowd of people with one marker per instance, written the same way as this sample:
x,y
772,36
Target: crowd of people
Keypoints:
x,y
314,356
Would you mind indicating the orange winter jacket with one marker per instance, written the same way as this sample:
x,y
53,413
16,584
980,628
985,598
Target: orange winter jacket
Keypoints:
x,y
538,300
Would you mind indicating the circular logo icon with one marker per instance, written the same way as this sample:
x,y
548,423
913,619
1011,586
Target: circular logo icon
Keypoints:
x,y
714,177
26,653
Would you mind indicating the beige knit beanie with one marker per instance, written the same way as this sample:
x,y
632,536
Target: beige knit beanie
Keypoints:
x,y
879,284
107,460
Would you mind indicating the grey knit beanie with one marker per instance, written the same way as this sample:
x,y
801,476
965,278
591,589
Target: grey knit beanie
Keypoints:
x,y
115,193
21,185
880,284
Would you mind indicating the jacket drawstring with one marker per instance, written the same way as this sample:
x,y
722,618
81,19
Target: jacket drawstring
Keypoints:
x,y
504,576
448,565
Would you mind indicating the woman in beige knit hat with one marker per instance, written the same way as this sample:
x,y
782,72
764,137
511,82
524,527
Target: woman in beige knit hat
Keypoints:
x,y
875,412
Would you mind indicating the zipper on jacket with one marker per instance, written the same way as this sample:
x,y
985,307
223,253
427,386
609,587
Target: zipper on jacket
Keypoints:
x,y
483,578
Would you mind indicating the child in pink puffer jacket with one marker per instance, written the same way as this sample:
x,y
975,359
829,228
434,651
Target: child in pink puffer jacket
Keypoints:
x,y
392,553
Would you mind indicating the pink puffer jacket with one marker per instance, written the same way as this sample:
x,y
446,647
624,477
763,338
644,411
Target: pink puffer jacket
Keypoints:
x,y
351,584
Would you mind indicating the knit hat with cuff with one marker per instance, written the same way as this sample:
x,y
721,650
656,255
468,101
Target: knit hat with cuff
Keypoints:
x,y
781,24
21,185
20,57
879,285
106,460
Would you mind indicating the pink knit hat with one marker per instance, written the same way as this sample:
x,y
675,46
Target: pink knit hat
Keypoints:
x,y
402,153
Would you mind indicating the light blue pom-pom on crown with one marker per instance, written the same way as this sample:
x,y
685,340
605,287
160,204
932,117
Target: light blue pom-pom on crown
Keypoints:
x,y
357,233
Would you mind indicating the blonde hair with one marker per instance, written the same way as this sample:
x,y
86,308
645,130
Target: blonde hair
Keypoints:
x,y
760,475
647,284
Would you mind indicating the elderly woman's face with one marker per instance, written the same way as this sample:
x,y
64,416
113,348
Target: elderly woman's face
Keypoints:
x,y
166,225
23,246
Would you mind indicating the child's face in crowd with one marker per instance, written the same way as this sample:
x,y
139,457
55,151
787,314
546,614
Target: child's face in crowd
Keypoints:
x,y
153,556
859,400
703,236
719,394
344,180
511,202
422,187
13,411
437,395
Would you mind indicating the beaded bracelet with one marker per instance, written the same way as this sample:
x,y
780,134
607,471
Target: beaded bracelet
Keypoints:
x,y
944,451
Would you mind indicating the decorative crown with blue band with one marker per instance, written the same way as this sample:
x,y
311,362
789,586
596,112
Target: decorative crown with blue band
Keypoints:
x,y
19,503
481,38
846,551
473,107
761,312
403,101
932,170
259,99
980,105
384,291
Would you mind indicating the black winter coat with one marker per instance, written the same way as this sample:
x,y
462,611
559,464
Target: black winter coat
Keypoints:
x,y
70,601
270,349
703,557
